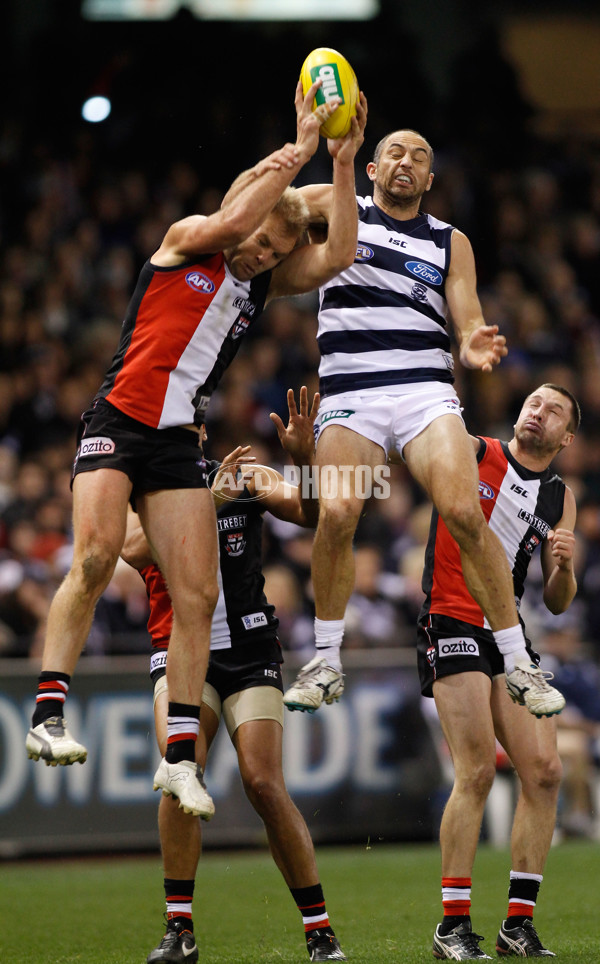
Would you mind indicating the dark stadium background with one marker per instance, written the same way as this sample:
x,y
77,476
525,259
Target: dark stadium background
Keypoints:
x,y
509,96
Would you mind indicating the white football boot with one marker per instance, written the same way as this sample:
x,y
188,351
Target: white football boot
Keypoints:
x,y
185,780
316,683
52,742
528,686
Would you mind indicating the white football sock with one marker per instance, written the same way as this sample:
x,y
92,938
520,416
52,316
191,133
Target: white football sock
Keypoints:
x,y
328,640
511,644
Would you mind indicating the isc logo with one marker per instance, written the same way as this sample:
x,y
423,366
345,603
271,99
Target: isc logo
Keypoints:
x,y
331,84
519,490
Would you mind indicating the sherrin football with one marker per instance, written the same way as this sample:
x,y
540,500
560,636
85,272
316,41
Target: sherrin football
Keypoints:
x,y
338,80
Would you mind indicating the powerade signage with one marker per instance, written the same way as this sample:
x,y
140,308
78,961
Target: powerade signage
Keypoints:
x,y
364,766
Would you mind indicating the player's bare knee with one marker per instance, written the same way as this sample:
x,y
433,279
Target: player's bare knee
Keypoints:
x,y
478,779
195,603
543,774
466,523
93,570
339,517
264,792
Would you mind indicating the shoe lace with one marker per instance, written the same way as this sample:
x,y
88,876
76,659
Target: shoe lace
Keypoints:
x,y
172,934
533,941
539,678
319,938
471,942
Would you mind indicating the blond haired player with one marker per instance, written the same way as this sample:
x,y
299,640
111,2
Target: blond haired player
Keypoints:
x,y
195,297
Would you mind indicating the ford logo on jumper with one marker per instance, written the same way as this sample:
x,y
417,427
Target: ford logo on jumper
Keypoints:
x,y
424,271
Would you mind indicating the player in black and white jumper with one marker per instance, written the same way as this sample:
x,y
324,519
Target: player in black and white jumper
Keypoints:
x,y
529,507
243,686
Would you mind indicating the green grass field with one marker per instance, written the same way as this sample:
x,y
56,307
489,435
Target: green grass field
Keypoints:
x,y
384,902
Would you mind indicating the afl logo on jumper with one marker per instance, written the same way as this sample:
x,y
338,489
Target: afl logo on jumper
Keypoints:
x,y
424,271
199,282
486,491
96,446
364,253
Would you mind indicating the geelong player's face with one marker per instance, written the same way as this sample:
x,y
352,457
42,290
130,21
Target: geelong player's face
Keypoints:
x,y
262,251
403,171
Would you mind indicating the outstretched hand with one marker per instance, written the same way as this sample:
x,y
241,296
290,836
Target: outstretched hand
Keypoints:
x,y
297,438
484,348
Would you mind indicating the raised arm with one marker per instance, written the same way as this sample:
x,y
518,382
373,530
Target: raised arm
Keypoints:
x,y
299,504
480,345
284,157
253,197
560,584
312,265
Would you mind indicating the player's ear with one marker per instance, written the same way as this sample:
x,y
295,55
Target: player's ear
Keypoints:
x,y
371,170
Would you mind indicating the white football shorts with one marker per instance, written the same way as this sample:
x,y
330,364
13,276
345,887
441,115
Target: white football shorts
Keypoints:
x,y
393,418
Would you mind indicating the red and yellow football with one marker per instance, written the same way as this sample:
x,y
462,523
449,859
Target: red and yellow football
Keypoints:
x,y
338,80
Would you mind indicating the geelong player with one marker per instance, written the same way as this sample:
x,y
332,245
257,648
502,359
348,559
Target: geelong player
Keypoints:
x,y
386,386
243,685
194,299
527,505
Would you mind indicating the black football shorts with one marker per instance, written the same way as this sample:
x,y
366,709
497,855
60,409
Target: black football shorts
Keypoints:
x,y
153,458
446,647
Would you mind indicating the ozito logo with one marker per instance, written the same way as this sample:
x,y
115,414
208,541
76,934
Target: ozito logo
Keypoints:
x,y
364,253
458,647
96,446
486,491
424,271
199,282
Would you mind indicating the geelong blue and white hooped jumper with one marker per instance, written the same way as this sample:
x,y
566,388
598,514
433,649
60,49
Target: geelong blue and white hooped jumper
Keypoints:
x,y
383,321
